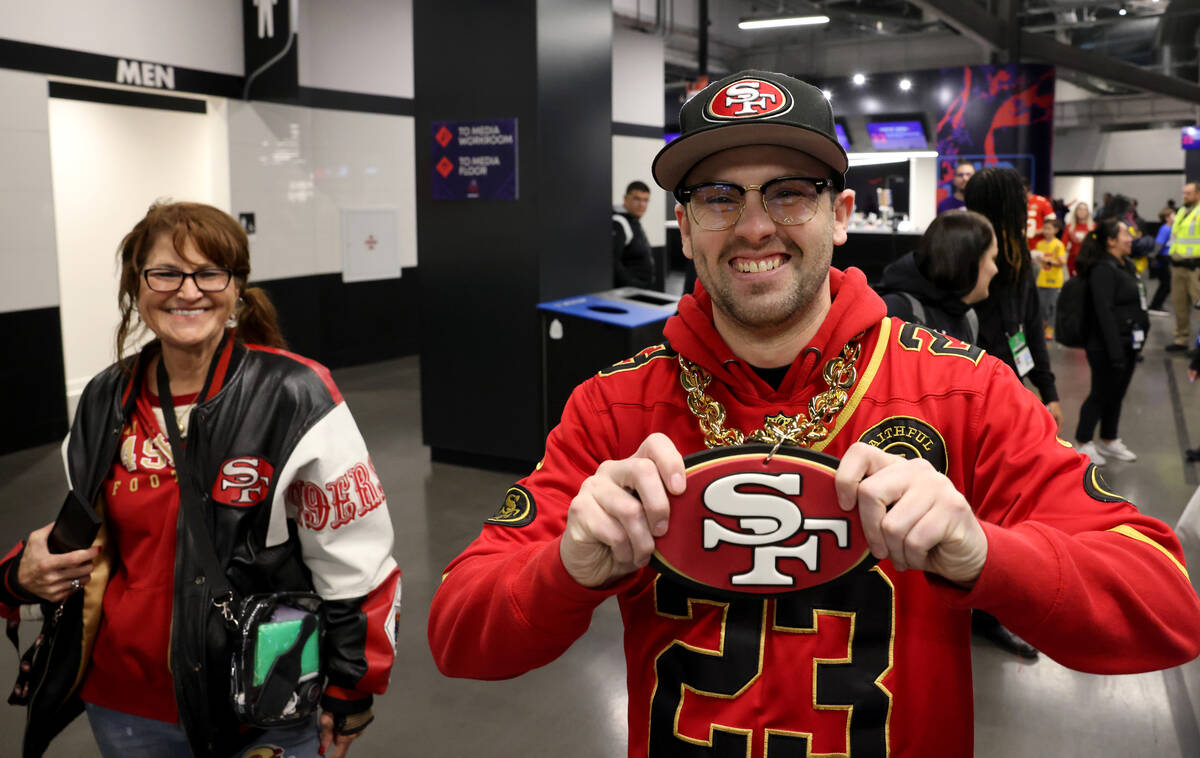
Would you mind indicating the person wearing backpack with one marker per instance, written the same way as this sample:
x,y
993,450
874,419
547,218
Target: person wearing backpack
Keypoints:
x,y
1115,335
950,270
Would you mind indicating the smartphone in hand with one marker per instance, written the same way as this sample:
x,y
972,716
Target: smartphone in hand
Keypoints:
x,y
76,526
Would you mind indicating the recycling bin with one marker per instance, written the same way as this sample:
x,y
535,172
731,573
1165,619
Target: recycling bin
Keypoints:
x,y
583,334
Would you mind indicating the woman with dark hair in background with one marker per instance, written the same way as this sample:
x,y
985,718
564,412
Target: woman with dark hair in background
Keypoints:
x,y
1010,323
269,463
1117,326
949,272
1010,319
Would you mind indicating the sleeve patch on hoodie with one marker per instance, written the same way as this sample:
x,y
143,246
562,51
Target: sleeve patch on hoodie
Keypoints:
x,y
1094,485
518,508
639,360
912,337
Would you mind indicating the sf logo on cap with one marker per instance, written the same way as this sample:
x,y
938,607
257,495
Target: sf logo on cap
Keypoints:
x,y
747,98
766,522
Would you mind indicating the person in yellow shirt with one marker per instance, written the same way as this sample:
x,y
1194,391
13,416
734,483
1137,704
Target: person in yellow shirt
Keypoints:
x,y
1052,255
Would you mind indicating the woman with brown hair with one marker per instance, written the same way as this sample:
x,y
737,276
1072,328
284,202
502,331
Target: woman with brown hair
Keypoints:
x,y
224,469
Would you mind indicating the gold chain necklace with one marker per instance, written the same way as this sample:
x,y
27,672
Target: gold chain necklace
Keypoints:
x,y
840,374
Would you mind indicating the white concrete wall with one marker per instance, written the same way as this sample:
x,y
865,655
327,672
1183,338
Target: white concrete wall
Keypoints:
x,y
1081,150
637,97
357,46
297,168
203,35
1138,150
1074,190
28,248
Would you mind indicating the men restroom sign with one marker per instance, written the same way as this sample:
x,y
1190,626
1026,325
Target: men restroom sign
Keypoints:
x,y
475,159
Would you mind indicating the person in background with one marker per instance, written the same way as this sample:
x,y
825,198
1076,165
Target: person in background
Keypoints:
x,y
278,469
1124,209
1116,334
1010,324
1080,224
1037,210
1102,206
1160,265
1184,252
633,260
950,271
1010,319
963,171
1051,262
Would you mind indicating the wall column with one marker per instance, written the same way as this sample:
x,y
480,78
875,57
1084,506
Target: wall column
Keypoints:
x,y
485,264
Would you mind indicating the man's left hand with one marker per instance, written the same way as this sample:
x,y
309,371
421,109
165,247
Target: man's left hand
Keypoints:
x,y
912,514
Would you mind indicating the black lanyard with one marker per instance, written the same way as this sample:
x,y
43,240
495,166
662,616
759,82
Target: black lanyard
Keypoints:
x,y
189,502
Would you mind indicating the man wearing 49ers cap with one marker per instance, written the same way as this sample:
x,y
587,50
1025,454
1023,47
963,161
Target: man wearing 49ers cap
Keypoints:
x,y
958,490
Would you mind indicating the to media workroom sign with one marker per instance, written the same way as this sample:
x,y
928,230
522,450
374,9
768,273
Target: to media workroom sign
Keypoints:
x,y
475,159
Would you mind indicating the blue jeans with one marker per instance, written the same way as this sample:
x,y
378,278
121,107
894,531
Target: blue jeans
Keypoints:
x,y
121,735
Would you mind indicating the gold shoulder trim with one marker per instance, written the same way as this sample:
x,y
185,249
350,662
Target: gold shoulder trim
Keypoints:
x,y
864,382
1132,533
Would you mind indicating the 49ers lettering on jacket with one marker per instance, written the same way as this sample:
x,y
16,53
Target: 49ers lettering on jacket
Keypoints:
x,y
862,665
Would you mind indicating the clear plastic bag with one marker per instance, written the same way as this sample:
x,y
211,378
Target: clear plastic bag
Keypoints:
x,y
275,667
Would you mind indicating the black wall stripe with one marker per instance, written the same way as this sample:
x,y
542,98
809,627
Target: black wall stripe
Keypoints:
x,y
58,61
315,97
1143,172
347,324
637,130
112,96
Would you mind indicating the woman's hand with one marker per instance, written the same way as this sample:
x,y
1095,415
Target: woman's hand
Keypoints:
x,y
53,576
1056,411
340,738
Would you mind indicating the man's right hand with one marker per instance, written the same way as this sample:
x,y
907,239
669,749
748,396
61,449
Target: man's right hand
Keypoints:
x,y
619,511
50,575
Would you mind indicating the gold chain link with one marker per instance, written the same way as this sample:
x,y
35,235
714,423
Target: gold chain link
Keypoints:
x,y
839,374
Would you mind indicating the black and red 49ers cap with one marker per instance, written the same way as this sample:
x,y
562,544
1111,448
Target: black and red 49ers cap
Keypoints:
x,y
752,108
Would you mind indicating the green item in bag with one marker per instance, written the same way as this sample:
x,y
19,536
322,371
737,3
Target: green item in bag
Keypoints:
x,y
276,638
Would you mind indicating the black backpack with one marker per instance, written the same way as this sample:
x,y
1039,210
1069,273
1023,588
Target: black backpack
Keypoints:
x,y
1071,313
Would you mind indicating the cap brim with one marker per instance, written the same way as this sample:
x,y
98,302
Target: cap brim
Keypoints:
x,y
674,161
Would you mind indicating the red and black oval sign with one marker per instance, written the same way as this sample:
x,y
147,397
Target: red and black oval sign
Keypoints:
x,y
747,525
748,98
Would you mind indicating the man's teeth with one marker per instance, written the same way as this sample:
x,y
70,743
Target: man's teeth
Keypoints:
x,y
746,266
188,312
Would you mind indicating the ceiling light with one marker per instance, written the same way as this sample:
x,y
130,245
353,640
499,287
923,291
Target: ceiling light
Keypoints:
x,y
828,95
1122,11
776,23
859,79
906,84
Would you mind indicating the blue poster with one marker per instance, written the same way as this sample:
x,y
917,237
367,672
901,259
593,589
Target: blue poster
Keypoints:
x,y
475,159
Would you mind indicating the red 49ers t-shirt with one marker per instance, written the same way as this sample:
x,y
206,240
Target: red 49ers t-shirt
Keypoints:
x,y
128,672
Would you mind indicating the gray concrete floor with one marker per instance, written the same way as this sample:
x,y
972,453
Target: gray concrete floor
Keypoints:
x,y
576,706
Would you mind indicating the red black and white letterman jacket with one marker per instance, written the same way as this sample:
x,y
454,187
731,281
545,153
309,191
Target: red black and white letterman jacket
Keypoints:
x,y
293,503
879,664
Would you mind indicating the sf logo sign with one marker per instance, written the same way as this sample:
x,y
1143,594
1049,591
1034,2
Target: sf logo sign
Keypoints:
x,y
746,525
766,523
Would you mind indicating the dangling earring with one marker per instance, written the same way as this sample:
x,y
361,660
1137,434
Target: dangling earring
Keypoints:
x,y
232,321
